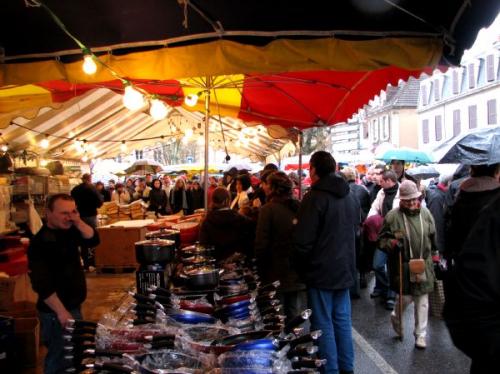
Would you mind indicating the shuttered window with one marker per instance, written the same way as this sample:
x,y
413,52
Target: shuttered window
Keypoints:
x,y
366,132
438,128
490,68
492,112
455,84
456,122
425,131
472,78
472,117
437,94
423,95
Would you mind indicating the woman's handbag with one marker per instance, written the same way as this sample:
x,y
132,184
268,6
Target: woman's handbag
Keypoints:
x,y
416,265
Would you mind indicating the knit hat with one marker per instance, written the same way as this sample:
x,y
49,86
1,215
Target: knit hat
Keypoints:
x,y
408,190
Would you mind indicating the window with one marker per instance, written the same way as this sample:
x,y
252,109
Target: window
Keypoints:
x,y
385,128
425,131
456,122
438,128
423,95
472,78
375,130
492,112
437,95
490,68
366,131
472,117
455,88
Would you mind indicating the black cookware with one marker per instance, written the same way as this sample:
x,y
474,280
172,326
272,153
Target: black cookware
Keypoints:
x,y
155,251
167,234
202,278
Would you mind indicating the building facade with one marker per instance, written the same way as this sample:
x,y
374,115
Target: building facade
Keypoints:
x,y
459,100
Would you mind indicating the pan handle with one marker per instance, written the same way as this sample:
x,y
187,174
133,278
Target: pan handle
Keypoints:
x,y
297,321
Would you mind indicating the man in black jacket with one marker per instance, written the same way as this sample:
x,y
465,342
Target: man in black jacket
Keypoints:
x,y
56,273
324,254
87,200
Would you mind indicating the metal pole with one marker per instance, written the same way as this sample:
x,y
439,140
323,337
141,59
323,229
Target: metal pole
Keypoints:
x,y
207,126
300,165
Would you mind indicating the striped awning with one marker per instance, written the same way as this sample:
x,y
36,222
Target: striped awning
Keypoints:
x,y
97,123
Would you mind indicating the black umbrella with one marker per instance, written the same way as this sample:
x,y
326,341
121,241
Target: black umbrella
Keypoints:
x,y
480,147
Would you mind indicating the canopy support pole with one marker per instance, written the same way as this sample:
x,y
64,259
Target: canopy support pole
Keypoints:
x,y
300,164
207,126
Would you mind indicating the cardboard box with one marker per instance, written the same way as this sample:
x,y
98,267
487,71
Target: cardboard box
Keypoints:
x,y
14,289
117,246
27,336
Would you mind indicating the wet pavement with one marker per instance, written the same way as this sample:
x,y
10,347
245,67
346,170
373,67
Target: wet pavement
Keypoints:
x,y
379,351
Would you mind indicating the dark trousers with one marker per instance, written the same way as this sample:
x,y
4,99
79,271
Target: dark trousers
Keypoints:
x,y
52,338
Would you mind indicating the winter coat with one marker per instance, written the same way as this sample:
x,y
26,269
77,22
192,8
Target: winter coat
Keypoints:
x,y
241,200
228,232
273,244
393,224
325,235
123,198
87,199
197,199
435,198
158,201
180,200
378,203
142,194
363,197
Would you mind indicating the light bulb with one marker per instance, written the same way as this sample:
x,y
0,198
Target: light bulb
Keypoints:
x,y
123,147
191,100
43,162
188,133
200,140
89,66
133,99
4,148
158,110
185,140
44,143
85,158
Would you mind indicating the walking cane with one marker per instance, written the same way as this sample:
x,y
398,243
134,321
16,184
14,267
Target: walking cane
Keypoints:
x,y
400,301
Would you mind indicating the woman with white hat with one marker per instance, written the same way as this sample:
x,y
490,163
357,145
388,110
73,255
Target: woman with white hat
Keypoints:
x,y
409,230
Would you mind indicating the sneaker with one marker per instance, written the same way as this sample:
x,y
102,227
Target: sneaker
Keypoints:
x,y
389,304
420,342
396,326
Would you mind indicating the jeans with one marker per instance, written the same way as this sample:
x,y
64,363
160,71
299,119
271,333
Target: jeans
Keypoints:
x,y
381,274
88,253
52,338
332,315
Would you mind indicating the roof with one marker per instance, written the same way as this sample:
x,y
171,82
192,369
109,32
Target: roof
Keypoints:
x,y
98,122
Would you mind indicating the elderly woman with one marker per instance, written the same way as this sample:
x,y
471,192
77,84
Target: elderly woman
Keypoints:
x,y
273,243
409,230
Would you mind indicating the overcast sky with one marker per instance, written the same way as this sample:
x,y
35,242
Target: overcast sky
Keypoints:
x,y
485,39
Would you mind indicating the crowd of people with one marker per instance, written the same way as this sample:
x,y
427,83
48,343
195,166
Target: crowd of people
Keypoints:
x,y
322,248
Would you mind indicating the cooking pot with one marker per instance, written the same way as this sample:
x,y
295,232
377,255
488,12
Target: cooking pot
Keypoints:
x,y
154,251
205,277
197,249
167,234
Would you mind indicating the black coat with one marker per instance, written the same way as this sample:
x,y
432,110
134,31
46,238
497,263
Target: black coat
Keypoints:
x,y
363,197
435,199
228,231
158,201
325,234
87,199
273,244
197,199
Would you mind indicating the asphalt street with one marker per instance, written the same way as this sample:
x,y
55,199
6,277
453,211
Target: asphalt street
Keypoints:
x,y
378,351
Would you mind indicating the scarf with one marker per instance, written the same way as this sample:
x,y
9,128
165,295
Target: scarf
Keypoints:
x,y
390,194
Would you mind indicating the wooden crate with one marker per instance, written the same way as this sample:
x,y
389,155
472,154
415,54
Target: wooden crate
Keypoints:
x,y
117,246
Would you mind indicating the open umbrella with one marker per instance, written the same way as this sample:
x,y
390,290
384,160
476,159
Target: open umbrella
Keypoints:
x,y
423,172
406,154
143,167
480,147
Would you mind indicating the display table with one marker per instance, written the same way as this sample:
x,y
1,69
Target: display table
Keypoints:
x,y
116,250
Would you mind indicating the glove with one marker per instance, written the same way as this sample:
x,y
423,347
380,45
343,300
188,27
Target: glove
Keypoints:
x,y
396,245
436,259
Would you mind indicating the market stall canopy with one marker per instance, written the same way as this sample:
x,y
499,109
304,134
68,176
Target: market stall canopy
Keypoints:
x,y
293,64
98,123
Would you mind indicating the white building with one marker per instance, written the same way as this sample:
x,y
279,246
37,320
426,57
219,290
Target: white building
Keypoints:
x,y
345,138
461,99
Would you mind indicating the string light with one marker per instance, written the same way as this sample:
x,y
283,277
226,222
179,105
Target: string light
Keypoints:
x,y
191,100
133,99
89,66
85,158
188,133
200,140
44,143
4,147
158,110
43,162
123,146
